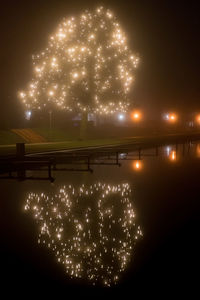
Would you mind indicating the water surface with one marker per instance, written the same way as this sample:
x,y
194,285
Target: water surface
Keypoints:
x,y
118,228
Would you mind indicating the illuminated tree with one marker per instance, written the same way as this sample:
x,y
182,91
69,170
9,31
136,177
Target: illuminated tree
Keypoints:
x,y
87,66
91,229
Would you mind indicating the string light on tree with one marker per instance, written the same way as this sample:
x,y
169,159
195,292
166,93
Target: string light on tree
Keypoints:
x,y
91,229
86,66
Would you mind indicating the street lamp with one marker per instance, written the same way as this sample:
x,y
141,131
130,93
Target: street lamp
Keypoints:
x,y
198,119
170,117
121,117
28,115
136,116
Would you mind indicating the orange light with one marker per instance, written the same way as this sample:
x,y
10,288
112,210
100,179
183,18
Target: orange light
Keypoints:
x,y
172,117
198,150
136,115
198,119
172,155
137,165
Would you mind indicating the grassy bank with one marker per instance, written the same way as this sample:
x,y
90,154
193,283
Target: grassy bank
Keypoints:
x,y
53,146
7,137
149,140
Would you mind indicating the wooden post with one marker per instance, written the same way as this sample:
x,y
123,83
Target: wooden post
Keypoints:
x,y
20,150
117,158
88,163
139,153
183,149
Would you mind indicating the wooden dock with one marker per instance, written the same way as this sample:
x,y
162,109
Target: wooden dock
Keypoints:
x,y
81,159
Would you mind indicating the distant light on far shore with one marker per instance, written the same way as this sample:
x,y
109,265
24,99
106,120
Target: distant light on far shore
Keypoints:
x,y
28,115
136,115
198,119
170,117
121,117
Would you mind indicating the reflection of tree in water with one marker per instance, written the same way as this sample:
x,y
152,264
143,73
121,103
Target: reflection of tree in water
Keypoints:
x,y
91,230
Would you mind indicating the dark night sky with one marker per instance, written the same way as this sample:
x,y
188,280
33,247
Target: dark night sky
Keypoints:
x,y
165,33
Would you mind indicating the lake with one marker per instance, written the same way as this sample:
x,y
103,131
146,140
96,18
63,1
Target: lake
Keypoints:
x,y
118,228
